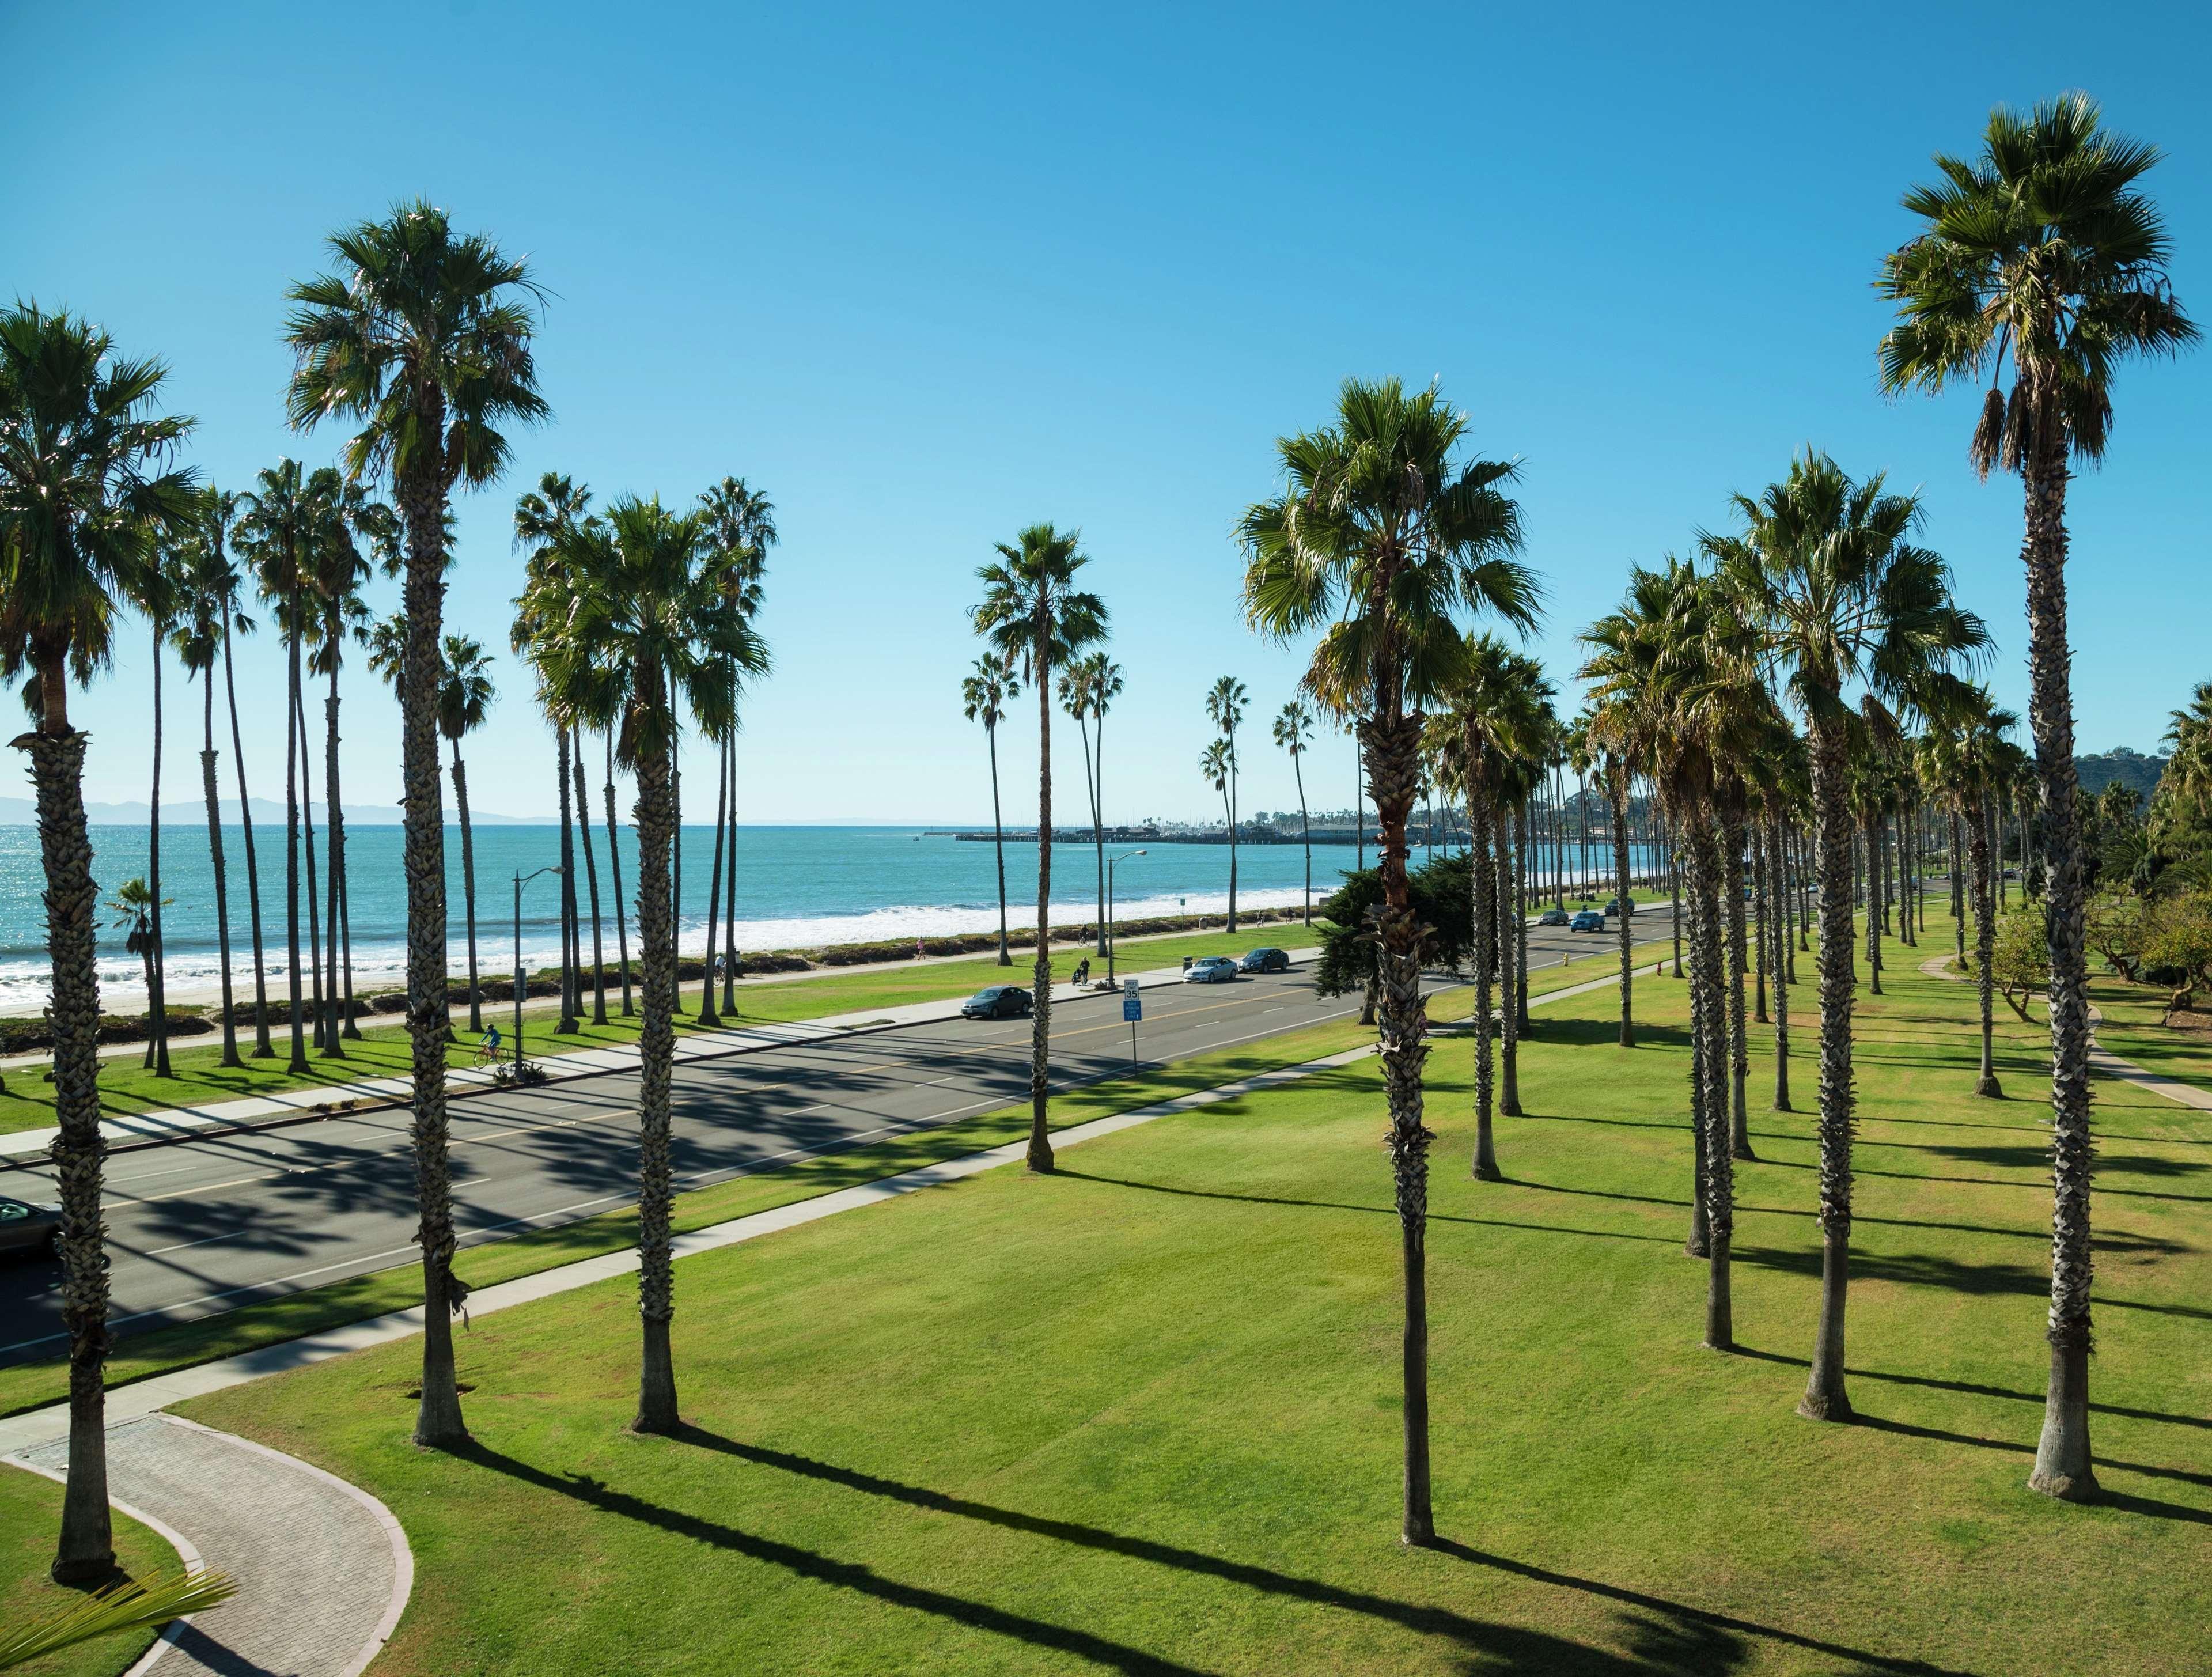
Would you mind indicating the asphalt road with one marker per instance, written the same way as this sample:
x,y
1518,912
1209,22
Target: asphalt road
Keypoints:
x,y
198,1227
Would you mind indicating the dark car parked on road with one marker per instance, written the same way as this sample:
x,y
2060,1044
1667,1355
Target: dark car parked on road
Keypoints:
x,y
999,1002
1266,960
25,1227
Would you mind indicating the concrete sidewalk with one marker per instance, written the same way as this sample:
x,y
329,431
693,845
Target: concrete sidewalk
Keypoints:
x,y
319,1100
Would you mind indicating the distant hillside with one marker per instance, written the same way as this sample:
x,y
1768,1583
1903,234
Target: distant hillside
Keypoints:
x,y
2131,769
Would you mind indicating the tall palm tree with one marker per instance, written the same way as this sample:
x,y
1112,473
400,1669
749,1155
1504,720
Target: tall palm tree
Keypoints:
x,y
155,595
422,335
1845,600
1294,731
465,697
1979,730
1380,536
281,519
740,529
1033,616
647,630
985,693
2043,248
213,521
1215,766
1225,702
207,603
339,613
87,489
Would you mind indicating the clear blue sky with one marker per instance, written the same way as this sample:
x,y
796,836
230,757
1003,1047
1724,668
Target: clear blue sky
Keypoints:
x,y
929,274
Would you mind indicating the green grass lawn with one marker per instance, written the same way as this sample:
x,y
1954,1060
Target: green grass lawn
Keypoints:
x,y
126,1087
30,1520
1142,1416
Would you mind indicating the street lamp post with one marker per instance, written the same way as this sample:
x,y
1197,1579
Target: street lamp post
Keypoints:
x,y
1111,941
520,880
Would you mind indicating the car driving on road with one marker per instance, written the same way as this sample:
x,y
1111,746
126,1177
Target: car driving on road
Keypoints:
x,y
999,1002
25,1227
1552,917
1211,970
1589,920
1266,960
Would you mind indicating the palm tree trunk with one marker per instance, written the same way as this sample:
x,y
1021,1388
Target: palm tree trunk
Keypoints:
x,y
157,1005
591,879
299,1064
1704,1084
1504,916
86,1554
1232,833
1709,980
262,1047
1617,782
999,844
1040,1148
1391,745
1521,916
322,1034
334,857
1985,942
571,950
675,844
468,883
1739,1050
1762,911
1958,894
1481,888
1825,1398
614,868
707,1015
2061,1455
1779,937
438,1423
656,1272
730,891
345,928
1305,832
1097,824
207,791
1674,887
1877,909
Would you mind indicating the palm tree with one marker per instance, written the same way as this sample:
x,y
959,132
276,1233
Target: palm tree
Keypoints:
x,y
277,528
1032,614
647,626
1224,705
338,612
1104,681
1828,569
2044,248
985,693
1294,731
423,336
206,602
1379,536
137,906
1215,766
85,488
155,595
1979,728
465,696
741,529
544,520
221,585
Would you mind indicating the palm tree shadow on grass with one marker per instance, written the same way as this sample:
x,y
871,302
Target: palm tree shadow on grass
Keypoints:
x,y
1952,1274
1689,1649
1369,1211
1663,1636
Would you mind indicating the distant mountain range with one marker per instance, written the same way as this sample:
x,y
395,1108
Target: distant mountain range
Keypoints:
x,y
22,813
2098,769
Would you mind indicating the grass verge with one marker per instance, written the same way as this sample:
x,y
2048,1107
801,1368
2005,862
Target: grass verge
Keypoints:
x,y
30,1518
1142,1415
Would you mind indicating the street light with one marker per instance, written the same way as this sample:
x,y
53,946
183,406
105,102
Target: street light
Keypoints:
x,y
520,880
1111,944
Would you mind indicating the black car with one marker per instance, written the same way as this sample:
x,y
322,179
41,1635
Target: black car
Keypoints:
x,y
999,1002
30,1228
1265,960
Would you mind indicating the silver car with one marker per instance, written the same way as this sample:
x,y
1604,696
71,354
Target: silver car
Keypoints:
x,y
25,1227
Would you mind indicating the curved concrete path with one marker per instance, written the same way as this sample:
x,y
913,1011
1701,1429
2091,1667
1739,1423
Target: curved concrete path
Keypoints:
x,y
323,1569
2101,1059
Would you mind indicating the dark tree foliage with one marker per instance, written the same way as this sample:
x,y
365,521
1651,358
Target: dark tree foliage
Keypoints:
x,y
1443,904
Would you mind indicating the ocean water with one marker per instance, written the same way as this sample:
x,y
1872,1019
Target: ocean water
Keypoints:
x,y
797,887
